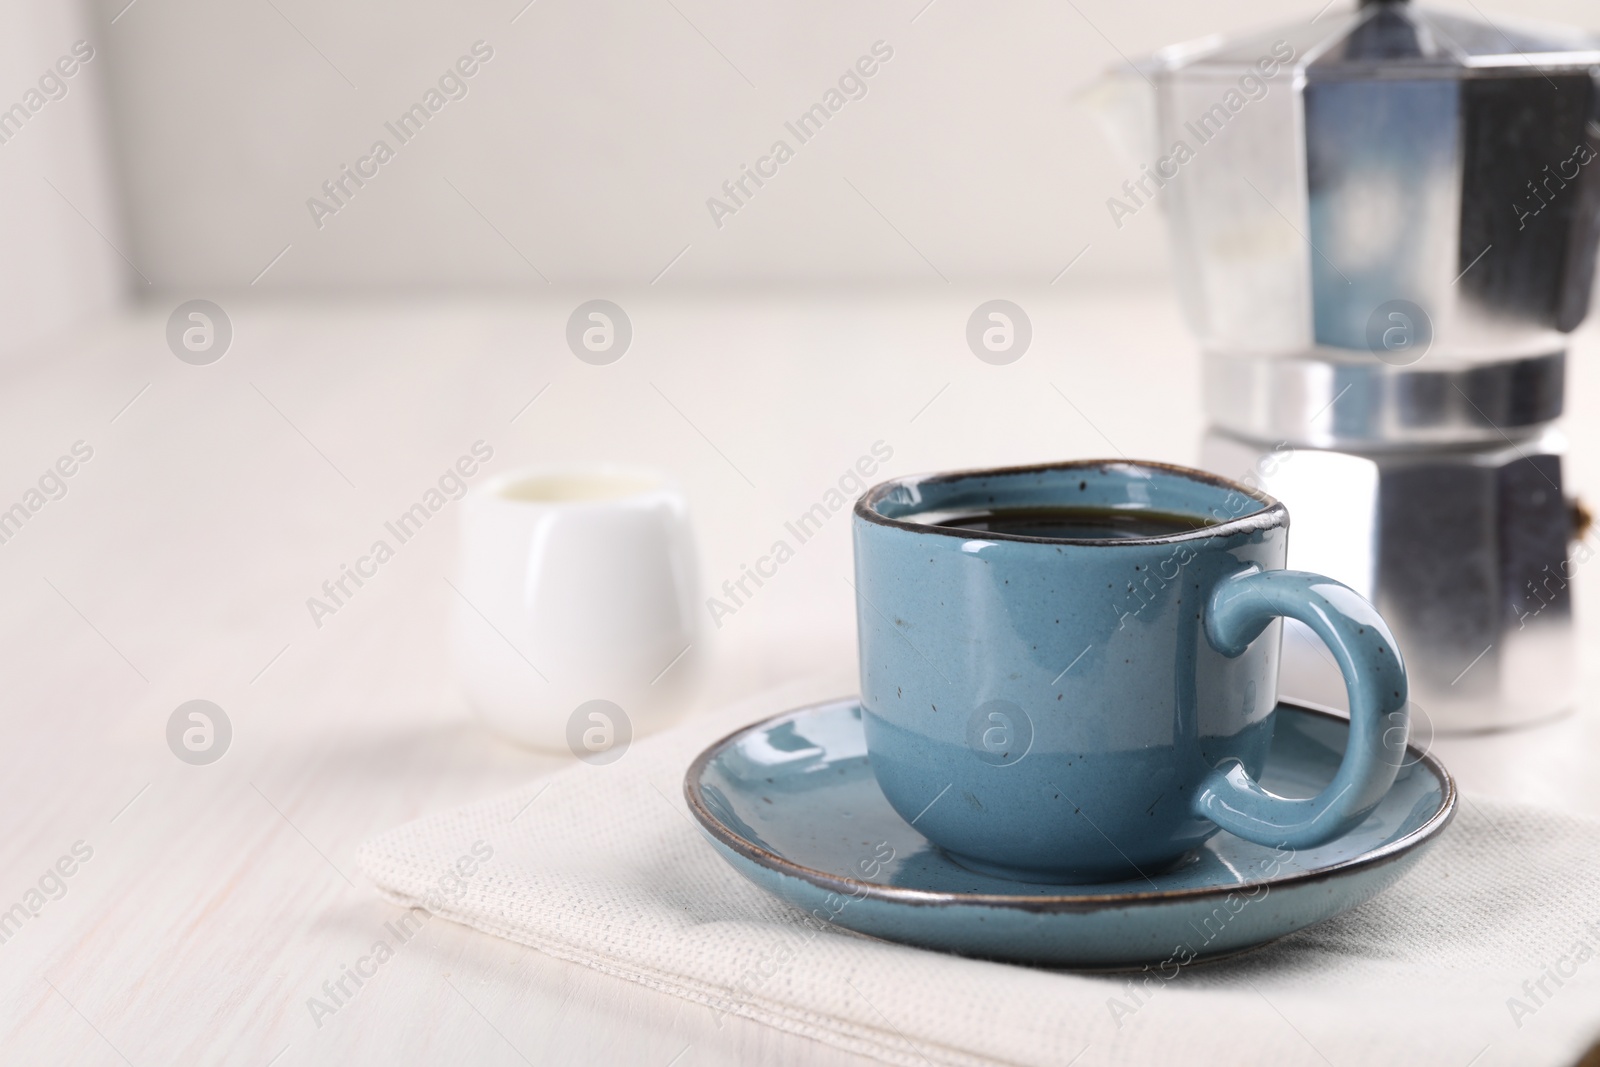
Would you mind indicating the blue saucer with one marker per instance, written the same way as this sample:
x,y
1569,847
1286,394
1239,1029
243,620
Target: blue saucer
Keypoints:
x,y
792,804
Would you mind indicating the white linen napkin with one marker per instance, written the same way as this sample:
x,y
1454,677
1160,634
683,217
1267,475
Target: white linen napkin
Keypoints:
x,y
1488,953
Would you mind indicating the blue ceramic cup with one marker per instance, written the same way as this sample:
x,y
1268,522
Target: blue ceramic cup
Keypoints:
x,y
1084,709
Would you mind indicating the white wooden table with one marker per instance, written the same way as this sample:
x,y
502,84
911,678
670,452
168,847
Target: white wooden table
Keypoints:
x,y
218,498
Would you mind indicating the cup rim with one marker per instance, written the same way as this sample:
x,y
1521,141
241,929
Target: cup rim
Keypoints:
x,y
1271,514
658,483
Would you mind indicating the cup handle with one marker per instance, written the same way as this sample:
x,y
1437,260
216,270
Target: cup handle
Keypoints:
x,y
1239,610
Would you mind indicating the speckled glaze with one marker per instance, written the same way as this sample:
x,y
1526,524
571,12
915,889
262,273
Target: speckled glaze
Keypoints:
x,y
1085,710
792,804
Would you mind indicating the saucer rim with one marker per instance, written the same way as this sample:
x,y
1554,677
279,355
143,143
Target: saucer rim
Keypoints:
x,y
1047,902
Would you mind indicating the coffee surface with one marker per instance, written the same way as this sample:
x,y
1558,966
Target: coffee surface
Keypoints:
x,y
1070,523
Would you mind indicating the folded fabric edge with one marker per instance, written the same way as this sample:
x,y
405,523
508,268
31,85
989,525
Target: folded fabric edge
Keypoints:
x,y
887,1046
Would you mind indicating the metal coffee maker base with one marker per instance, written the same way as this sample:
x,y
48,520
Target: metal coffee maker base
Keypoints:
x,y
1463,549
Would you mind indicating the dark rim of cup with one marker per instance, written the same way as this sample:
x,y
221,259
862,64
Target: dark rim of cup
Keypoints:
x,y
1272,512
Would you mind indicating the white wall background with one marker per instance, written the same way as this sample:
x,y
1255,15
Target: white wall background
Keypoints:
x,y
585,149
593,138
59,220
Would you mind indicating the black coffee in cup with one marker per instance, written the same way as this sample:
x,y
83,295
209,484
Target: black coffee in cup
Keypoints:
x,y
1070,523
